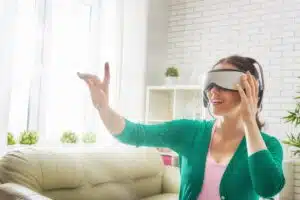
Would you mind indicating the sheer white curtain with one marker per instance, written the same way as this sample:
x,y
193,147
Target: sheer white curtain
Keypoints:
x,y
111,50
81,36
53,40
23,66
67,50
7,20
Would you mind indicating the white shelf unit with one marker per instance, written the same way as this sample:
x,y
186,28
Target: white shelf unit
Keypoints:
x,y
165,103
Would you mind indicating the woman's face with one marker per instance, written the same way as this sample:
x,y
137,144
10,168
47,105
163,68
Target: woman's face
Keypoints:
x,y
224,102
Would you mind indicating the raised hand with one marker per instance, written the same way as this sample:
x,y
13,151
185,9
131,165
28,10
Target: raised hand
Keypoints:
x,y
249,98
98,88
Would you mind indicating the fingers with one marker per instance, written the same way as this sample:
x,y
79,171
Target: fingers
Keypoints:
x,y
87,76
84,77
246,84
256,85
242,93
251,83
95,79
90,83
90,79
106,73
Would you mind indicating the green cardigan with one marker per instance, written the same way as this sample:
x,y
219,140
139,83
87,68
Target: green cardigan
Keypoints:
x,y
245,178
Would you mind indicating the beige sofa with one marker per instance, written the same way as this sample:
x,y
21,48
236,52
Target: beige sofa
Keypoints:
x,y
291,190
119,173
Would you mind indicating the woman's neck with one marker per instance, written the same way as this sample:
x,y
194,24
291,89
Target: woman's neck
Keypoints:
x,y
230,127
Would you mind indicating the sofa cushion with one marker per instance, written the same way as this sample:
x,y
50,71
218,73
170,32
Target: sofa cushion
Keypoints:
x,y
165,196
19,167
61,172
86,173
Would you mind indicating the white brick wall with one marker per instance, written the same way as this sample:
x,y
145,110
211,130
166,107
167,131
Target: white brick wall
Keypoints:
x,y
202,31
157,36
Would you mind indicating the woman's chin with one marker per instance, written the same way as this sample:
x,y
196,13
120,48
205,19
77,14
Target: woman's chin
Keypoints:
x,y
219,112
222,112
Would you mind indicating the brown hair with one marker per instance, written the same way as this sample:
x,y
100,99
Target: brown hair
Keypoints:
x,y
248,64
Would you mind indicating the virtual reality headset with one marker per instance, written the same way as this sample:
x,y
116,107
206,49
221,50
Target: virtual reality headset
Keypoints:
x,y
223,78
226,79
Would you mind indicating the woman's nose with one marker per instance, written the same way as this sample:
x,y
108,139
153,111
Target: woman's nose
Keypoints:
x,y
215,89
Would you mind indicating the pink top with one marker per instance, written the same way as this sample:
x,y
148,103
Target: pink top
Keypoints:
x,y
212,178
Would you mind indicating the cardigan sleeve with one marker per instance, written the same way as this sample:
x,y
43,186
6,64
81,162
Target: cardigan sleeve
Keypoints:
x,y
175,134
266,169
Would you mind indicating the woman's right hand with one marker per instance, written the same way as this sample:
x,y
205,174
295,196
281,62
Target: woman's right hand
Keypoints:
x,y
98,88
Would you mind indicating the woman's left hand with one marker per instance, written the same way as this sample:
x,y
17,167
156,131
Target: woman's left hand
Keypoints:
x,y
249,97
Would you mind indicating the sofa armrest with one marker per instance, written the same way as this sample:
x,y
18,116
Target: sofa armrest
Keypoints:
x,y
287,193
13,191
171,180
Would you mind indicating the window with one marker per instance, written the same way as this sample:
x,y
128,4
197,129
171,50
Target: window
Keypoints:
x,y
54,40
23,65
68,50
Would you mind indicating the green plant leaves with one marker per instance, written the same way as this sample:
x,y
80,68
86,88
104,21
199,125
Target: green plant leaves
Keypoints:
x,y
172,72
69,137
293,117
10,139
29,137
89,137
72,138
293,140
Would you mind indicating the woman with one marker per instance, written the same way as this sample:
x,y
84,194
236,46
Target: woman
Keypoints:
x,y
225,158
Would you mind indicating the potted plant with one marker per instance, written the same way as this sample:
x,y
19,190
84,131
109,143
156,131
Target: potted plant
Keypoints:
x,y
293,139
28,137
171,75
69,137
89,138
10,139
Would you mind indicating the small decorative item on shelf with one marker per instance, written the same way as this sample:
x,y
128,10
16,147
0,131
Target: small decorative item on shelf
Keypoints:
x,y
69,137
171,76
167,159
29,137
10,139
89,138
168,156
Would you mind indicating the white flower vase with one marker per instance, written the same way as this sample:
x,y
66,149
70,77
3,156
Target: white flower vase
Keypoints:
x,y
170,80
